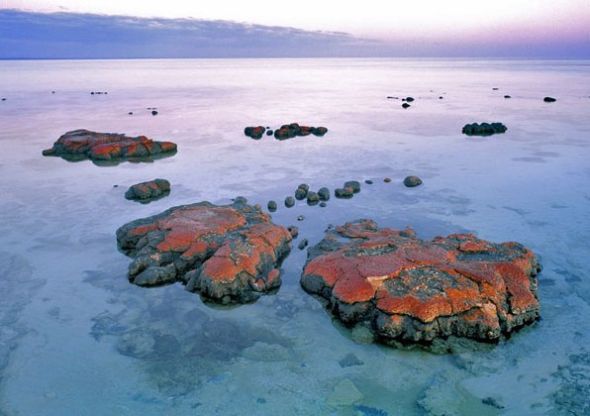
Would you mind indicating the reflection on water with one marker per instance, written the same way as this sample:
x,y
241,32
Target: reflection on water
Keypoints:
x,y
77,338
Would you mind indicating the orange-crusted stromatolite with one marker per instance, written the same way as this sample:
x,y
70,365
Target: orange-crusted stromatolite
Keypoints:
x,y
228,253
107,147
412,290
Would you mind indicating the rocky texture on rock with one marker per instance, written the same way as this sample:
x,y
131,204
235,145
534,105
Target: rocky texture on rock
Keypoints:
x,y
106,147
228,253
409,290
148,191
484,129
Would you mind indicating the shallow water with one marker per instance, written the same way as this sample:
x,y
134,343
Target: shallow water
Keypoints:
x,y
77,339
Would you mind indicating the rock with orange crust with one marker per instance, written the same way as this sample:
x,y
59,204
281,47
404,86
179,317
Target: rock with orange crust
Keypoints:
x,y
228,253
108,147
414,291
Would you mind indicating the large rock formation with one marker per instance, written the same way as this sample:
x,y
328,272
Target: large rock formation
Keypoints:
x,y
107,147
410,290
229,253
148,191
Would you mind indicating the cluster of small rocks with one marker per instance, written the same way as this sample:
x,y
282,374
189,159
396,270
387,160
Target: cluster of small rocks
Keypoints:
x,y
484,129
98,92
286,131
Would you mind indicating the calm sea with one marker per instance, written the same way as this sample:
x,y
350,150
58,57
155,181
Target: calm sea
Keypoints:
x,y
77,339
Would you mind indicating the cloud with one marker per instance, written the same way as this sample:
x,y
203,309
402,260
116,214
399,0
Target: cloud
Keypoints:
x,y
31,35
69,35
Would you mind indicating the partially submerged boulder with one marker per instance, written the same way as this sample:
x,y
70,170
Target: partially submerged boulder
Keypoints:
x,y
410,290
484,129
107,147
228,253
148,191
288,131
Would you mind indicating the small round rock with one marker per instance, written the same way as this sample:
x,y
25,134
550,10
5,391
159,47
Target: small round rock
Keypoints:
x,y
386,180
289,201
355,185
324,194
412,181
312,198
272,206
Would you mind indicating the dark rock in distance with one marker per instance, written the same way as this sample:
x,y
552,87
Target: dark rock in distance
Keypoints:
x,y
289,201
148,191
254,132
108,147
272,206
549,99
484,129
154,113
323,204
368,181
227,253
409,290
269,132
386,180
406,105
409,99
324,194
507,96
319,131
412,181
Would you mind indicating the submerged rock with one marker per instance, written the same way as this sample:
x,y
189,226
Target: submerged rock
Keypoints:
x,y
412,181
410,290
254,132
228,253
484,129
106,147
148,191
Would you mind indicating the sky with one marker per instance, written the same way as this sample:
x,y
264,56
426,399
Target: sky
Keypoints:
x,y
544,28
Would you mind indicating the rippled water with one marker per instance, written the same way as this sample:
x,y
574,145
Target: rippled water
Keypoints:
x,y
77,339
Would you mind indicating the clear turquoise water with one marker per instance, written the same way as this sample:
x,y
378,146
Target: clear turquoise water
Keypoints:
x,y
77,339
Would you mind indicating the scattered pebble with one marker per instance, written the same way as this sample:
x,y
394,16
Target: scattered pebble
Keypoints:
x,y
408,99
406,105
302,244
549,99
343,193
412,181
130,113
369,182
323,204
507,96
324,194
355,185
312,198
269,132
289,201
495,88
154,113
272,206
300,218
387,180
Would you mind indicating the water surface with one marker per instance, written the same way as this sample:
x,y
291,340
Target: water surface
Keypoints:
x,y
77,339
